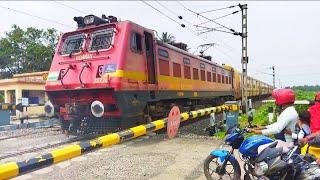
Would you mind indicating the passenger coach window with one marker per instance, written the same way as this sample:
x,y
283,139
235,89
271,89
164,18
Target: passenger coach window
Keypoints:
x,y
163,53
73,44
101,39
136,43
187,72
195,74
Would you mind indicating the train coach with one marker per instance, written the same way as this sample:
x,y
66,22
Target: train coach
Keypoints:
x,y
108,75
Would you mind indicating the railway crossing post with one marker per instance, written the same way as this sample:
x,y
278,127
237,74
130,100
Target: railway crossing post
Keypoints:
x,y
244,57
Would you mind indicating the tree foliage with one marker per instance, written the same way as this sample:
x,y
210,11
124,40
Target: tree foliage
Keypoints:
x,y
307,88
167,38
27,50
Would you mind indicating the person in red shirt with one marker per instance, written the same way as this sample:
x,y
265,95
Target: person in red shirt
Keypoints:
x,y
314,111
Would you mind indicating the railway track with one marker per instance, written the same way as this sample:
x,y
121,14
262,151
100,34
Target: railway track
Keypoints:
x,y
45,130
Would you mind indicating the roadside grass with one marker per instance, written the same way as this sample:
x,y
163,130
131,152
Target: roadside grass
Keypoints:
x,y
261,113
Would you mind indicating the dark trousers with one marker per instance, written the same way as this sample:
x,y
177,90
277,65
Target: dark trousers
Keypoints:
x,y
280,136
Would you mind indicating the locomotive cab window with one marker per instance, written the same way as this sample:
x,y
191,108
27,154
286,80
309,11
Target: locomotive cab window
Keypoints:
x,y
72,44
136,42
101,39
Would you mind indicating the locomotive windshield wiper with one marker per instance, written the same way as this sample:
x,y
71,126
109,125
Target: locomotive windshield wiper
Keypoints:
x,y
65,73
85,65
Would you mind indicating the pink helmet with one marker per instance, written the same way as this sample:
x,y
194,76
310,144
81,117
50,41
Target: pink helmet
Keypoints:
x,y
284,96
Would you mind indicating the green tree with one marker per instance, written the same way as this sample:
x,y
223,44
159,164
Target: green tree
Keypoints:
x,y
27,50
167,38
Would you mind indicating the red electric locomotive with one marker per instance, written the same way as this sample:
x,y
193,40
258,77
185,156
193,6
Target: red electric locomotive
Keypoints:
x,y
109,75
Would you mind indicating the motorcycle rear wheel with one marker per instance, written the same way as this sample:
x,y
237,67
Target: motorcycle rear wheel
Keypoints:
x,y
232,169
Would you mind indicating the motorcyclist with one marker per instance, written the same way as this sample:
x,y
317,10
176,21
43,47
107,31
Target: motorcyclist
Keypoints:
x,y
286,120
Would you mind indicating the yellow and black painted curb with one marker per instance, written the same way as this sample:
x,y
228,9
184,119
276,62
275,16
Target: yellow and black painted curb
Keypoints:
x,y
13,169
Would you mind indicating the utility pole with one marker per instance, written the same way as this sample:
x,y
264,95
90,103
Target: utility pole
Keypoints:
x,y
274,77
244,57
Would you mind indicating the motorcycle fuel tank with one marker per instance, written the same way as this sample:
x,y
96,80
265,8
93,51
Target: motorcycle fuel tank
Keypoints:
x,y
249,147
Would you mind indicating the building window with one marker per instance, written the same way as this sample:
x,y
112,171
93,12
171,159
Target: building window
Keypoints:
x,y
214,77
195,74
164,67
230,80
219,78
227,80
222,77
176,70
186,61
163,53
187,72
136,43
209,76
203,75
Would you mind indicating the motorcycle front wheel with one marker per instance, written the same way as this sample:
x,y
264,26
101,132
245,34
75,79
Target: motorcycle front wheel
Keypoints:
x,y
212,167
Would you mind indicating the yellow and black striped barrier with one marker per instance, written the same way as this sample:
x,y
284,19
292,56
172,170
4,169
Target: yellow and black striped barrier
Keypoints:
x,y
14,169
11,107
7,107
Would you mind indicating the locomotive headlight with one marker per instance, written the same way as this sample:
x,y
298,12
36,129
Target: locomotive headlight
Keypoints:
x,y
49,109
260,168
88,20
97,109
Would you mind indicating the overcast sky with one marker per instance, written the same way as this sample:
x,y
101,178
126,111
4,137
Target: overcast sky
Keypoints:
x,y
283,34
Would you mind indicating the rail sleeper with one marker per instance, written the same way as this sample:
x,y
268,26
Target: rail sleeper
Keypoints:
x,y
13,169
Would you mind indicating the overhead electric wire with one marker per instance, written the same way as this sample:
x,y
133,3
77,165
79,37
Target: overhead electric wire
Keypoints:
x,y
62,4
162,13
218,9
38,17
211,20
174,13
230,48
220,17
180,24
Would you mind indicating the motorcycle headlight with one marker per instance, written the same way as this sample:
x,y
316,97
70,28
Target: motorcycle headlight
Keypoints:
x,y
97,109
260,168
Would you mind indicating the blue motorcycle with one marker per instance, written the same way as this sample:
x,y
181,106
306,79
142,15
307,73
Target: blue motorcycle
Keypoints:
x,y
222,164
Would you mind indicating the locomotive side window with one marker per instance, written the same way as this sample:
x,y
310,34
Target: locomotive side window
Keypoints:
x,y
187,72
73,44
136,42
176,70
214,74
163,53
164,67
195,74
101,39
203,75
219,78
186,61
208,76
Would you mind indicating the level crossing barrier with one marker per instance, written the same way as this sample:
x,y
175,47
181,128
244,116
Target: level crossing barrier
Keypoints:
x,y
13,169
